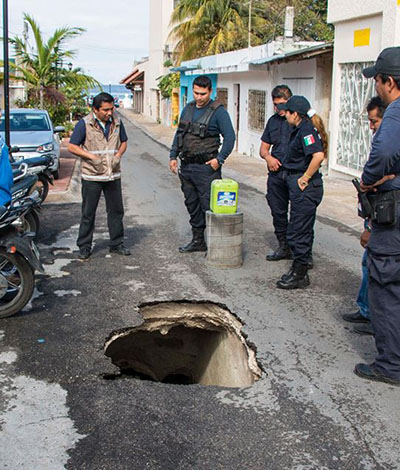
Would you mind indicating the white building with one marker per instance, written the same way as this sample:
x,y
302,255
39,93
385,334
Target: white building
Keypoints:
x,y
362,29
146,73
244,79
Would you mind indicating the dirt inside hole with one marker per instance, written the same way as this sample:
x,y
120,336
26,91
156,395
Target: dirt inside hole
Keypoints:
x,y
185,343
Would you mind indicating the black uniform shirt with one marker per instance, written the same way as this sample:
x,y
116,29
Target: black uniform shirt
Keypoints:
x,y
276,133
304,141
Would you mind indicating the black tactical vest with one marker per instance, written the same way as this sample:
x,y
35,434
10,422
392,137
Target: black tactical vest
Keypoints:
x,y
194,138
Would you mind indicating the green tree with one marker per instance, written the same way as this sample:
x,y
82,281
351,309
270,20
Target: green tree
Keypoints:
x,y
206,27
42,67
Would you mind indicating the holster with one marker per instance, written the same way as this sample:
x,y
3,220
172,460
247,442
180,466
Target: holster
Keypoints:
x,y
384,207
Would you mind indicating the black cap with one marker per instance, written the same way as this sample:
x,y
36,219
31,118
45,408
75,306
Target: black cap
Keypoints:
x,y
388,62
296,103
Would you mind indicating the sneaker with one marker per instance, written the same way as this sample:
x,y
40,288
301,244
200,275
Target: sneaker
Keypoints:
x,y
84,253
364,329
355,317
120,250
371,373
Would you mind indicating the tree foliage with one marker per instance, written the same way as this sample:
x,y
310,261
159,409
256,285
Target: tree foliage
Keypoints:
x,y
44,70
206,27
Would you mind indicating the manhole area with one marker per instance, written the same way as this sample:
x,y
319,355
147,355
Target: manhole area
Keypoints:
x,y
185,343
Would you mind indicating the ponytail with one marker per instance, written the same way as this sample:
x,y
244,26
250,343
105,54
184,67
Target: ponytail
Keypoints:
x,y
318,123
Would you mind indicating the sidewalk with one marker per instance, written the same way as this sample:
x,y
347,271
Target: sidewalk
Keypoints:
x,y
65,187
339,204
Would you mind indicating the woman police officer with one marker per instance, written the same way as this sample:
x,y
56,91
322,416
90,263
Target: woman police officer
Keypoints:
x,y
306,151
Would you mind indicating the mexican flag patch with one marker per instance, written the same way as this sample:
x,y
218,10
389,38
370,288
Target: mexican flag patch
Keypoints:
x,y
309,140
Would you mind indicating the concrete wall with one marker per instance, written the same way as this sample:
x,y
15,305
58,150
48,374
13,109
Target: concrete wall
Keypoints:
x,y
379,22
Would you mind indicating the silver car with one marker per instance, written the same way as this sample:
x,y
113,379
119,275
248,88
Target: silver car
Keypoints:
x,y
32,131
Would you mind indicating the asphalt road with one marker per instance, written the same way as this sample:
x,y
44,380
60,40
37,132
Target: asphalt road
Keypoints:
x,y
309,411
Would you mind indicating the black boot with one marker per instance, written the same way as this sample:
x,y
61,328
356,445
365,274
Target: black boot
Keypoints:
x,y
283,251
296,278
197,244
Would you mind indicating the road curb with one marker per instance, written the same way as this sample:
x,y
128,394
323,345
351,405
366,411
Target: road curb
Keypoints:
x,y
72,193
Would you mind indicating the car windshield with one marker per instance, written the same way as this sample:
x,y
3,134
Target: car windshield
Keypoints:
x,y
20,122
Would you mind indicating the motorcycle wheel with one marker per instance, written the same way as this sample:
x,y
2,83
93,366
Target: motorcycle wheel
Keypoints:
x,y
42,186
31,223
17,281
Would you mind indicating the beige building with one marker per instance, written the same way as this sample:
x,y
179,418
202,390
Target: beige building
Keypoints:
x,y
362,29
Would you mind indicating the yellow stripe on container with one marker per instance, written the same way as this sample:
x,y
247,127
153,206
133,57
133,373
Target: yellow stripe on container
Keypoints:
x,y
362,37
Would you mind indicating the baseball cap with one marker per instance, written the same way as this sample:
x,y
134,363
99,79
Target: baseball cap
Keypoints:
x,y
388,62
296,103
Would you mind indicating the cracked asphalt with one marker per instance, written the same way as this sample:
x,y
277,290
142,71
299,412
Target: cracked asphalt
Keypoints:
x,y
309,411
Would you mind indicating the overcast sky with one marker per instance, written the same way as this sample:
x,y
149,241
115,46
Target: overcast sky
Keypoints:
x,y
116,31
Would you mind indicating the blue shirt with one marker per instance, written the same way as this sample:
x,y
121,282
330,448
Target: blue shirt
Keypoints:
x,y
6,176
276,133
304,141
78,137
220,123
384,158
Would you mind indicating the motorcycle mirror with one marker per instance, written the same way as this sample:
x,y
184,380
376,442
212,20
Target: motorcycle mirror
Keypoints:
x,y
59,129
14,149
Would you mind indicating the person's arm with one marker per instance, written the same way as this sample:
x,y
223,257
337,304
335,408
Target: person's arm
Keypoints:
x,y
225,127
313,167
273,163
77,139
384,153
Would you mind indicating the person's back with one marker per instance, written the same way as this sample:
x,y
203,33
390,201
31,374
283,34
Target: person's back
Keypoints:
x,y
6,176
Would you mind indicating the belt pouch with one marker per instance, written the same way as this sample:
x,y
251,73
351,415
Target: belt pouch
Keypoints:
x,y
384,211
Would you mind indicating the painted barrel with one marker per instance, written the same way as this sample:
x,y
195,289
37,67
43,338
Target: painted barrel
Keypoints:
x,y
224,234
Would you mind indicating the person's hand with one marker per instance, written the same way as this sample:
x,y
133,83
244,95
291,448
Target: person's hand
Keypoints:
x,y
273,163
214,164
364,238
303,182
372,187
173,166
116,160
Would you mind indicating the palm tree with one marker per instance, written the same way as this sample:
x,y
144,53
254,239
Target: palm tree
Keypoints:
x,y
204,27
41,68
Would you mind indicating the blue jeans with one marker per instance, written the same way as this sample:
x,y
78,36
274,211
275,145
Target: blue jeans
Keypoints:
x,y
362,298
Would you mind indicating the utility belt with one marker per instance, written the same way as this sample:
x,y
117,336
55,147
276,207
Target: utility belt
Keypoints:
x,y
380,207
198,158
298,172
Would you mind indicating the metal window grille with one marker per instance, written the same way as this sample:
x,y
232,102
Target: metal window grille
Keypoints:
x,y
256,110
354,137
222,95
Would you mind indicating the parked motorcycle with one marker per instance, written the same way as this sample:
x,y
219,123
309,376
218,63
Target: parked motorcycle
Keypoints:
x,y
19,258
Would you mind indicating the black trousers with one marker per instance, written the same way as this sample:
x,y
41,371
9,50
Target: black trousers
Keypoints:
x,y
303,210
196,182
91,192
278,200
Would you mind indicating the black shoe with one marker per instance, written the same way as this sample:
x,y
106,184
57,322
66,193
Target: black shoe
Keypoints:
x,y
296,278
310,264
365,329
84,253
369,372
194,245
120,250
283,250
355,317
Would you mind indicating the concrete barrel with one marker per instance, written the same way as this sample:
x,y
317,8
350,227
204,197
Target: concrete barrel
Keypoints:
x,y
224,234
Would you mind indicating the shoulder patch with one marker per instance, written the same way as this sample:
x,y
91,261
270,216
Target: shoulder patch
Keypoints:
x,y
309,140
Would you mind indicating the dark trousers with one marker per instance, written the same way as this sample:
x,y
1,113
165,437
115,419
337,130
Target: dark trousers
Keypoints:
x,y
303,210
91,192
278,200
196,182
384,304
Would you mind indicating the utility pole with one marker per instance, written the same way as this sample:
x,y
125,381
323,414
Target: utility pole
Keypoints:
x,y
250,13
56,51
6,69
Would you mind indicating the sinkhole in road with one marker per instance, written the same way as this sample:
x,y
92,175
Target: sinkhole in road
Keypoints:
x,y
185,343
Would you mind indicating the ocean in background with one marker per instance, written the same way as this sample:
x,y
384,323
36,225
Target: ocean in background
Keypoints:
x,y
115,90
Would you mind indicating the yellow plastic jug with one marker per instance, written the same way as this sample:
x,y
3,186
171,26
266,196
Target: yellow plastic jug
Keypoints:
x,y
224,196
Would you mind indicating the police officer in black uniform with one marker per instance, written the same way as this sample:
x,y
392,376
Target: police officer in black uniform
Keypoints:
x,y
197,143
273,150
382,175
306,151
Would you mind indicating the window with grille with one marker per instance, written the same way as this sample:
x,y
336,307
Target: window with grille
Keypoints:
x,y
256,108
222,95
354,137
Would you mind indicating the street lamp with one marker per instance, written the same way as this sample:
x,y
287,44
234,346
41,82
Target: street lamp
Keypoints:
x,y
6,70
